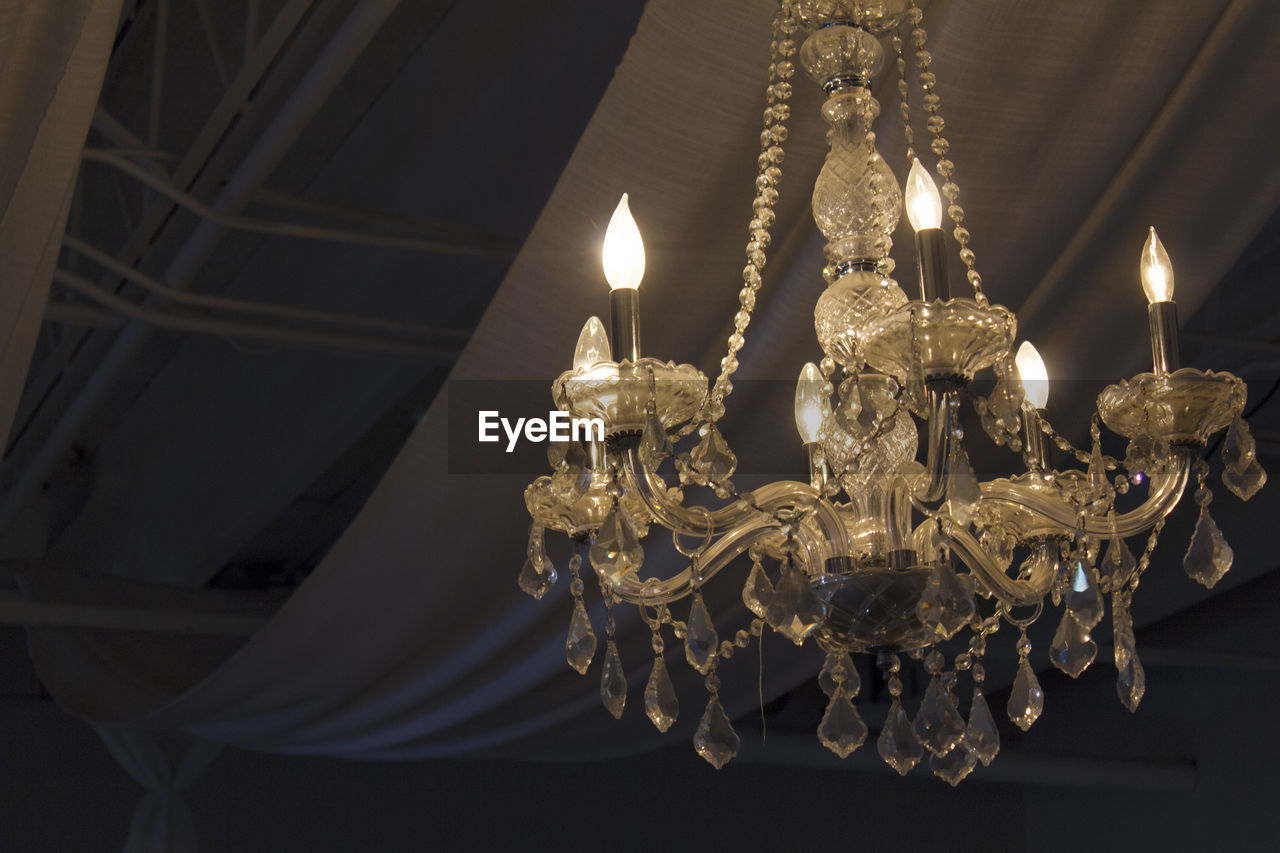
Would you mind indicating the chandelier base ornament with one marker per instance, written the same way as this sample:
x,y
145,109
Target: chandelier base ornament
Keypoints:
x,y
894,545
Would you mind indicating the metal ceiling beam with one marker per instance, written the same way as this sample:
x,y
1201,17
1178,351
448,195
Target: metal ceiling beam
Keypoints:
x,y
315,87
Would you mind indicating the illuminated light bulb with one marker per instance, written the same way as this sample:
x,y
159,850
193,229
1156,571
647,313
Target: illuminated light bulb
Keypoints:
x,y
623,249
924,205
809,403
1035,378
1156,270
593,345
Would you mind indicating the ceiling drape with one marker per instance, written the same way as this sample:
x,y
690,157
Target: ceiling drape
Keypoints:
x,y
1073,127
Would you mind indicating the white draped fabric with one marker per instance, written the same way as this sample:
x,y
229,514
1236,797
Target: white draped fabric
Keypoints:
x,y
52,60
1073,127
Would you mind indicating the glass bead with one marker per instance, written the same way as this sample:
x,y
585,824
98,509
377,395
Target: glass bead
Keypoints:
x,y
974,278
1024,646
713,683
928,79
781,91
923,58
576,587
748,299
750,274
736,340
742,639
967,257
940,146
741,320
950,190
781,112
757,626
946,168
961,234
914,15
756,258
918,37
935,123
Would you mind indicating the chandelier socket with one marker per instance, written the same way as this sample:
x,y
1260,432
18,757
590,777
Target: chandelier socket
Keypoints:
x,y
1163,320
624,323
932,260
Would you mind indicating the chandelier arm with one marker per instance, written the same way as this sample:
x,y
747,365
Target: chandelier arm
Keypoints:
x,y
940,431
717,555
1014,593
768,499
1058,515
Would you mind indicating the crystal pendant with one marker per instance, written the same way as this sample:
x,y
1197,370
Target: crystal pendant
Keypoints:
x,y
963,493
1246,482
841,730
613,682
955,765
580,647
982,736
1027,699
1096,477
1131,682
655,444
616,551
700,641
939,725
1131,679
715,740
1208,556
1146,455
712,462
537,582
1004,404
1119,562
1083,598
660,703
946,605
757,592
898,744
1072,649
795,609
1241,473
839,673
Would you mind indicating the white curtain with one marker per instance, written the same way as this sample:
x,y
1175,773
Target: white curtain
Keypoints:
x,y
1073,127
52,60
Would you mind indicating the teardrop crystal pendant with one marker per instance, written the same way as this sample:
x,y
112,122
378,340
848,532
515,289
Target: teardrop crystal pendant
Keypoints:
x,y
939,725
1241,472
660,703
1131,679
1026,701
963,493
757,592
580,646
715,740
946,605
982,736
1072,649
1083,598
1208,556
615,551
700,641
1118,563
898,744
955,765
838,671
795,609
841,730
711,461
613,682
537,583
655,444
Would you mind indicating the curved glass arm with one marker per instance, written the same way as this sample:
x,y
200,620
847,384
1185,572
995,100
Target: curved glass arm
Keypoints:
x,y
768,498
939,436
1050,515
1015,593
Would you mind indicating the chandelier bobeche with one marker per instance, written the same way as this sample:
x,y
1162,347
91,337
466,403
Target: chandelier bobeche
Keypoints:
x,y
878,553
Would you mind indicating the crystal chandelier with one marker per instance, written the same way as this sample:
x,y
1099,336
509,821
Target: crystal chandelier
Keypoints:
x,y
893,546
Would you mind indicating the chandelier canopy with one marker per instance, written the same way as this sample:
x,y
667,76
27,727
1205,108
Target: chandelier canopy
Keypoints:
x,y
893,546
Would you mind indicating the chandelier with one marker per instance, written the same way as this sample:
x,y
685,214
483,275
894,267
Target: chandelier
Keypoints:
x,y
893,546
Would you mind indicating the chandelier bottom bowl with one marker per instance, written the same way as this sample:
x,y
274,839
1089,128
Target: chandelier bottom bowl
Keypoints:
x,y
874,608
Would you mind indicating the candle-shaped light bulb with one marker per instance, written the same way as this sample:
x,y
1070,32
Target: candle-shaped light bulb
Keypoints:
x,y
593,345
1156,270
809,403
623,249
1035,378
924,205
